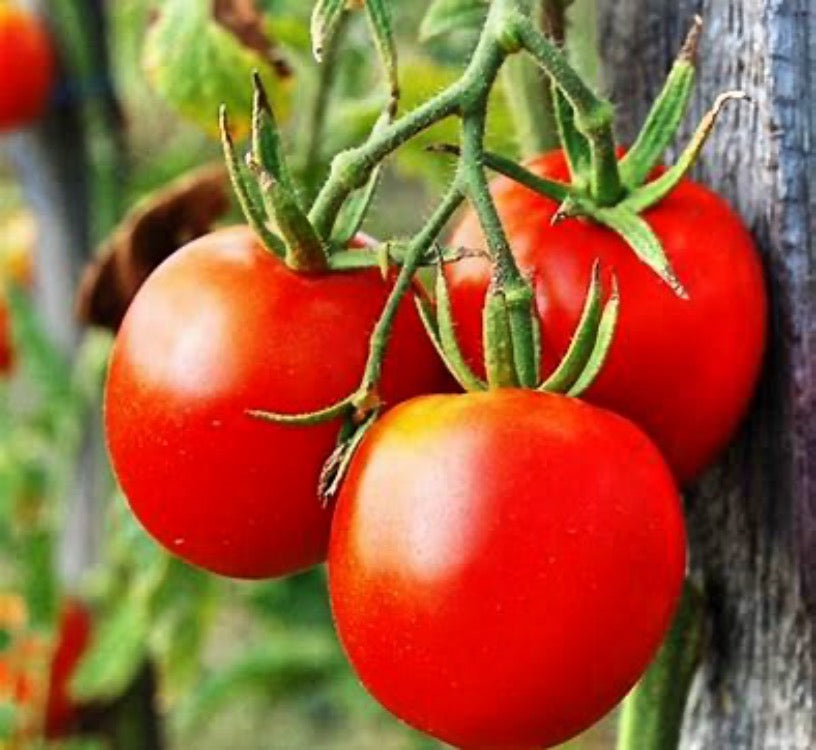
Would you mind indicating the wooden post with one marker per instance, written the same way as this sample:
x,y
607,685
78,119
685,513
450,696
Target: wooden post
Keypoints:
x,y
753,518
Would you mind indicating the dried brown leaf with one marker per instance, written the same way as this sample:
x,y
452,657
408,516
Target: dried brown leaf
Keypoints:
x,y
154,230
244,21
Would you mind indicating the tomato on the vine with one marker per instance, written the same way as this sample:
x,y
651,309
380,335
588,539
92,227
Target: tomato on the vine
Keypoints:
x,y
27,67
684,370
504,565
220,328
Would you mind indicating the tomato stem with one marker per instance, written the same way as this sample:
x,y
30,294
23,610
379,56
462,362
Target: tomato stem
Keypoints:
x,y
653,712
593,116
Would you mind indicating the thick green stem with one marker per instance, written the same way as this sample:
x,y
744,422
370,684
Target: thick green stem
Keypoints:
x,y
653,712
413,258
593,116
512,291
506,27
351,169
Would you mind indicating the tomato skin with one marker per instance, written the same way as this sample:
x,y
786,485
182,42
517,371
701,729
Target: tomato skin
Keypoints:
x,y
27,67
223,327
684,370
504,565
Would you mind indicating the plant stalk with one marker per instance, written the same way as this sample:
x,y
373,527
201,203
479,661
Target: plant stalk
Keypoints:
x,y
652,714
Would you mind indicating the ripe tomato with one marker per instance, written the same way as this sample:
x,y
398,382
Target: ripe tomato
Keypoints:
x,y
27,67
6,343
684,370
220,328
504,565
61,712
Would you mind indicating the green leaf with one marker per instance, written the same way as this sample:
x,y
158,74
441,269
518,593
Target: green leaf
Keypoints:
x,y
116,654
655,191
447,16
197,65
284,665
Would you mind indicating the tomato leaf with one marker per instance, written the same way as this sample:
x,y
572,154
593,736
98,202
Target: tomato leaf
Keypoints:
x,y
447,16
196,60
116,653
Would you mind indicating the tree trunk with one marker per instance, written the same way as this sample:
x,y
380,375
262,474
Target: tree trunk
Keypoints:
x,y
752,519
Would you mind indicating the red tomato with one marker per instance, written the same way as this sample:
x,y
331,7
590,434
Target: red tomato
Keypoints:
x,y
504,565
684,370
61,712
27,67
220,328
6,343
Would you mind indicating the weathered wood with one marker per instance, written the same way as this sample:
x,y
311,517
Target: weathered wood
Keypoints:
x,y
753,518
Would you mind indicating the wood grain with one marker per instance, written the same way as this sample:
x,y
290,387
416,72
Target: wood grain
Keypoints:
x,y
753,518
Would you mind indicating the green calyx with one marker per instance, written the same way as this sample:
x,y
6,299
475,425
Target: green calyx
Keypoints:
x,y
266,191
614,191
604,188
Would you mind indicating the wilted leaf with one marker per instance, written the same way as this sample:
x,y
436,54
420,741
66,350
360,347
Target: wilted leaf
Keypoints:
x,y
153,231
243,19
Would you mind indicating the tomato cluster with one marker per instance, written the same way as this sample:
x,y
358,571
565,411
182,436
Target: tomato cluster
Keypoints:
x,y
27,67
502,565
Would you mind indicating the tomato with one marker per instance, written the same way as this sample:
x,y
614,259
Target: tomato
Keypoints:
x,y
504,565
684,370
6,340
27,67
61,712
223,327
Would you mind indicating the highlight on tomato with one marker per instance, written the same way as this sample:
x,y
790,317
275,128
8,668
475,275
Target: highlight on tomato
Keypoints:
x,y
27,67
504,565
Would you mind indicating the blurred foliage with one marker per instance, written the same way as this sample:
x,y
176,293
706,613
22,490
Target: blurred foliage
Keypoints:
x,y
241,665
